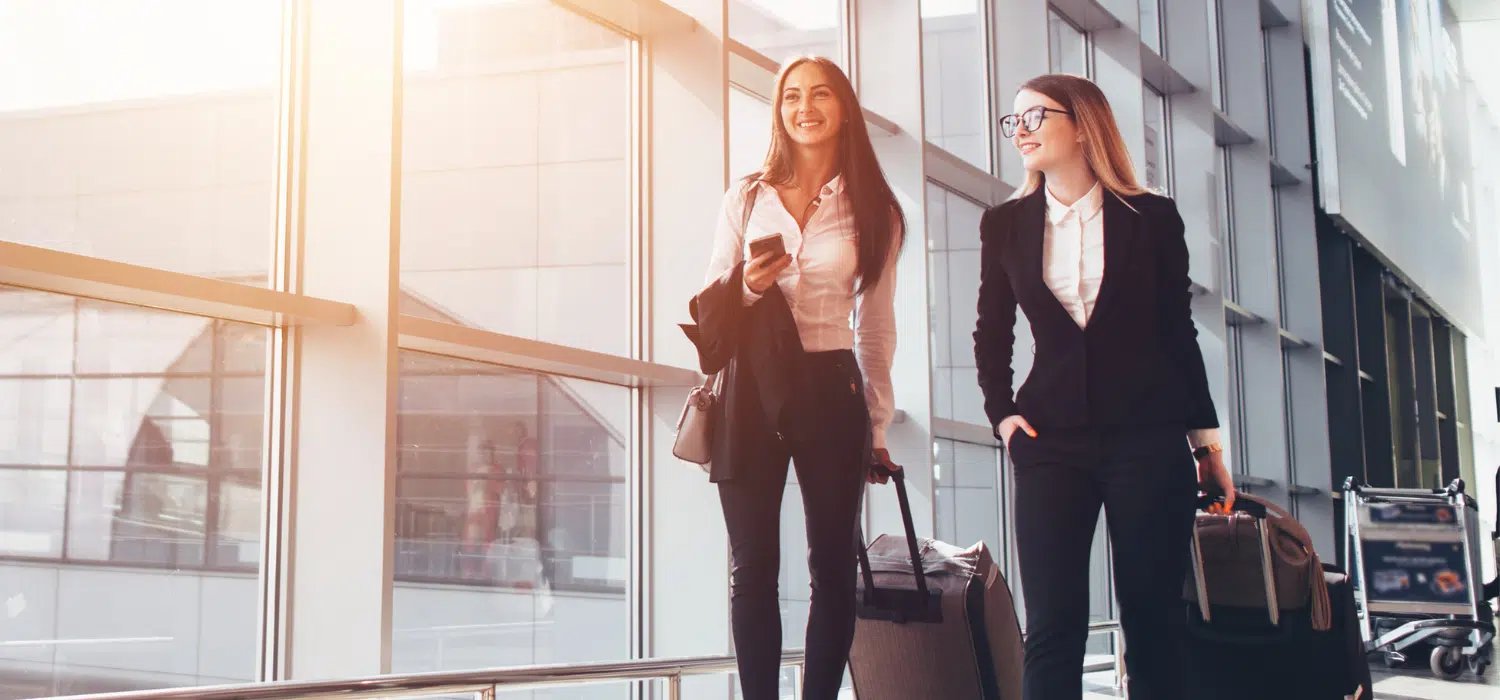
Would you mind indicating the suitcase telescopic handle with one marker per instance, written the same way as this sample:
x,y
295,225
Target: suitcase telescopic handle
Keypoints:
x,y
1258,510
897,478
898,605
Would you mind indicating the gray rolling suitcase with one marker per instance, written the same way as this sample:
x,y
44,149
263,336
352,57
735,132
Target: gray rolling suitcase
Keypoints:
x,y
944,629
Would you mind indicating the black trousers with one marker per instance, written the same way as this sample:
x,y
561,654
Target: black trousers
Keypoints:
x,y
826,437
1146,481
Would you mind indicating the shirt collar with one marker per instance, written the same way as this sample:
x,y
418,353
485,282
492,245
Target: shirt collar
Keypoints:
x,y
832,188
1087,206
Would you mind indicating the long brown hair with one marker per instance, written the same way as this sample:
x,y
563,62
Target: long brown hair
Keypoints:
x,y
1103,147
876,212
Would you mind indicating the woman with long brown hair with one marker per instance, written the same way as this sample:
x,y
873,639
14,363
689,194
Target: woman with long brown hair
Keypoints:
x,y
1117,407
802,383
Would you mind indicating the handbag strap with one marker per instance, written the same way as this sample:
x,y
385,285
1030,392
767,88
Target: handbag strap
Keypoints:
x,y
750,196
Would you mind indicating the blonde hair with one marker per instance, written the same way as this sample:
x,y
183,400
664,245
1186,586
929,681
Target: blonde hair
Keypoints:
x,y
1103,147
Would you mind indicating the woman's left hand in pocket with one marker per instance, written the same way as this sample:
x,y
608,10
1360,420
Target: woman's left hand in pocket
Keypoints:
x,y
883,459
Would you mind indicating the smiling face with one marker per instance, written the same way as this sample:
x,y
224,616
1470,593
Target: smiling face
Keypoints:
x,y
1056,141
811,112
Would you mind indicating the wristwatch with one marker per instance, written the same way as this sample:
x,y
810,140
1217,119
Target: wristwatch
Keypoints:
x,y
1206,450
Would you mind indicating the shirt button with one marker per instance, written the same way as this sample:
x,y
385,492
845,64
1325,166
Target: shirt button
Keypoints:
x,y
827,191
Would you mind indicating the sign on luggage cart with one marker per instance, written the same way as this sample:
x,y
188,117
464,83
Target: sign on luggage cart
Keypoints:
x,y
1413,555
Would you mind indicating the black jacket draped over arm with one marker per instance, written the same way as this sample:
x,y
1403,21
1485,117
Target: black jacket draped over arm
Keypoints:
x,y
758,349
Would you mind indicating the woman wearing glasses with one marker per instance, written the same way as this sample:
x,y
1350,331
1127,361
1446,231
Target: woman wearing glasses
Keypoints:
x,y
1116,408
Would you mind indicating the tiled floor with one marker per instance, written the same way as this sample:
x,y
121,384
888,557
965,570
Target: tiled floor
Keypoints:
x,y
1419,684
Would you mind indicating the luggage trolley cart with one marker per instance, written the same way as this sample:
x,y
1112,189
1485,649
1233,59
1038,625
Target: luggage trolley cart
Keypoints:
x,y
1413,556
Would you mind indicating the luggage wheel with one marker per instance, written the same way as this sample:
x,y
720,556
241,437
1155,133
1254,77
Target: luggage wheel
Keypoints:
x,y
1447,663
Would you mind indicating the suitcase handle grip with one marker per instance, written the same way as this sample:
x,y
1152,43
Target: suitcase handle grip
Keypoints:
x,y
1241,505
922,597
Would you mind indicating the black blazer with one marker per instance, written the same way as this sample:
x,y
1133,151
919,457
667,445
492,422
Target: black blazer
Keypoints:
x,y
758,349
1137,361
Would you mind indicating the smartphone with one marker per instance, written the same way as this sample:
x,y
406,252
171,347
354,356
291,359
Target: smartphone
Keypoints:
x,y
766,244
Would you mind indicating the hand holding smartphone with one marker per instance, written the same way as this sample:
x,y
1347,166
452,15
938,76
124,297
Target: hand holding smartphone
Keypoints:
x,y
766,244
767,259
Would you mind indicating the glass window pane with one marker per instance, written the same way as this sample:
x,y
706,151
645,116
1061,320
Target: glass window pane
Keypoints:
x,y
31,512
512,528
783,29
37,335
1151,25
138,517
118,427
516,180
114,339
954,79
953,260
1068,47
1157,153
749,133
117,146
236,539
34,420
1215,54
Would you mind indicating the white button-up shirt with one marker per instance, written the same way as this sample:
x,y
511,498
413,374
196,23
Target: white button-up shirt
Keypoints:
x,y
1073,264
1073,252
819,283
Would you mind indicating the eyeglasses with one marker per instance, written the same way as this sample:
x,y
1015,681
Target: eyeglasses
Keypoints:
x,y
1031,119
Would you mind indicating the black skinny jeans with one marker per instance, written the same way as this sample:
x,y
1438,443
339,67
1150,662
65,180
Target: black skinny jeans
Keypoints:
x,y
1145,479
827,439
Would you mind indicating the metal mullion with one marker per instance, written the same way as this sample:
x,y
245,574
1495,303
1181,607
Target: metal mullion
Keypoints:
x,y
1169,166
211,478
121,564
543,447
849,40
110,468
68,461
638,588
1088,51
986,14
280,386
98,376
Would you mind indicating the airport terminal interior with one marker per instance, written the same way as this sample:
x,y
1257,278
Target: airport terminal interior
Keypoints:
x,y
339,338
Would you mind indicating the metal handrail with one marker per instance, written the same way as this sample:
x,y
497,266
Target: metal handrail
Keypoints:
x,y
485,683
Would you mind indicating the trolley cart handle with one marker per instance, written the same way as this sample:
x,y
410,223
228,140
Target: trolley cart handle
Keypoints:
x,y
1455,487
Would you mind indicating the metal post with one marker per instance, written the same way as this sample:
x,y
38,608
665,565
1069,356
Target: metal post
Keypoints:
x,y
797,671
1471,577
674,687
